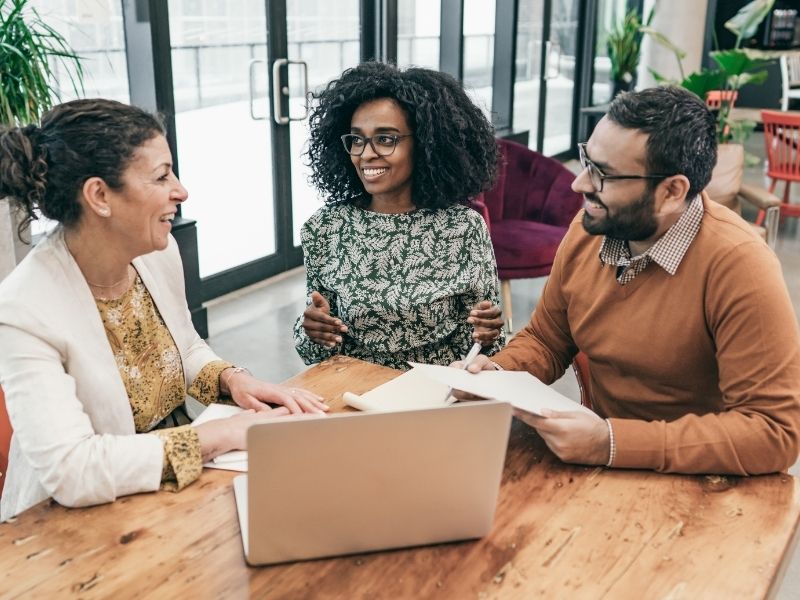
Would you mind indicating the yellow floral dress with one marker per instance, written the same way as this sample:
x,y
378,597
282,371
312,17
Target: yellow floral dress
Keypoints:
x,y
152,371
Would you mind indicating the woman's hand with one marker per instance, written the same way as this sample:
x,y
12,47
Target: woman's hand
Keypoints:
x,y
319,325
223,435
251,393
486,318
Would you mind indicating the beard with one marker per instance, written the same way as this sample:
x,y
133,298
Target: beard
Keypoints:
x,y
634,222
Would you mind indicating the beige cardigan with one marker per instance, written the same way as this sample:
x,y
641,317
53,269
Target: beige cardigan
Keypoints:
x,y
74,437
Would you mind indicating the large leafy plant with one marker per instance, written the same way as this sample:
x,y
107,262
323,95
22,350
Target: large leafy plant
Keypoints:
x,y
28,47
734,69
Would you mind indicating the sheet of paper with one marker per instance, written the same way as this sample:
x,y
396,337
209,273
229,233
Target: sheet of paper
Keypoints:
x,y
413,389
230,461
520,388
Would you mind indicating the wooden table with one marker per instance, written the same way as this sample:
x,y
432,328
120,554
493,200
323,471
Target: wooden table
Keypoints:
x,y
560,531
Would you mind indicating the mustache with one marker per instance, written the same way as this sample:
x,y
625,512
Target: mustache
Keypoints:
x,y
594,198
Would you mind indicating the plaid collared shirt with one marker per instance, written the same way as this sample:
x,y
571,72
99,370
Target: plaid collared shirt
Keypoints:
x,y
667,252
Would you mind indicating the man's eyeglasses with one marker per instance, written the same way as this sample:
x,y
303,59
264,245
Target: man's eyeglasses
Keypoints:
x,y
383,144
597,177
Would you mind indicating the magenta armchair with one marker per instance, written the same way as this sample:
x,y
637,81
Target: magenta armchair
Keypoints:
x,y
528,210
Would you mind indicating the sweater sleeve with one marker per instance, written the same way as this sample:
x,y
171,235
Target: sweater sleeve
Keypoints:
x,y
313,252
751,318
545,346
486,286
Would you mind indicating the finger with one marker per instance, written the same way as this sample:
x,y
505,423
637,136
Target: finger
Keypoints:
x,y
317,318
482,305
308,405
480,363
289,402
280,411
321,328
320,302
486,321
491,313
485,338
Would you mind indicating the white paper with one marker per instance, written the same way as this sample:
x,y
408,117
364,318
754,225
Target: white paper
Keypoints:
x,y
236,460
520,388
411,390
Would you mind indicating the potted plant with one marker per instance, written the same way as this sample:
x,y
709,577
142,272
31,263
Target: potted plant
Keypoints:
x,y
27,88
624,45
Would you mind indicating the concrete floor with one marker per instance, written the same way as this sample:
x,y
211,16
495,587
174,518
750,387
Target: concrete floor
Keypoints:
x,y
252,327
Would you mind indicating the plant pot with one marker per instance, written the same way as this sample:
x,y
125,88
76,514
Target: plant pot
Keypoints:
x,y
625,84
726,178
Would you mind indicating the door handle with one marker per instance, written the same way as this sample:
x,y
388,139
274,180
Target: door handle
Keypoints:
x,y
279,90
252,86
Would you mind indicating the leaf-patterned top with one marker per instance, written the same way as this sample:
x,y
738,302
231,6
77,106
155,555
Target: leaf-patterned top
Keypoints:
x,y
403,283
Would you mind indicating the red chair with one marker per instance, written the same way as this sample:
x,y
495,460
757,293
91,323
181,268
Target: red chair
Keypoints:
x,y
782,141
528,212
716,98
5,440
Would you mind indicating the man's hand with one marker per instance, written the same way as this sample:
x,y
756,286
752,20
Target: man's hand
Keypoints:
x,y
486,319
318,323
574,437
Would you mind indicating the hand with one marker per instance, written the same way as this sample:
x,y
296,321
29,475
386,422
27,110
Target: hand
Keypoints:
x,y
251,393
574,437
486,318
479,363
319,325
223,435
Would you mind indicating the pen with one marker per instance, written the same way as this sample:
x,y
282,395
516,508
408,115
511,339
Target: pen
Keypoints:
x,y
473,352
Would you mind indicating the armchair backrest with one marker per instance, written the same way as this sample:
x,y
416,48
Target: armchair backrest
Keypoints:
x,y
531,187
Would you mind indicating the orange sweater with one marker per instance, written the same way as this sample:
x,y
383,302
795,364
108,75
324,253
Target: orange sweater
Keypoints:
x,y
699,372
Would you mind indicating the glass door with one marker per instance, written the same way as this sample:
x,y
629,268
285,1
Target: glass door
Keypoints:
x,y
241,76
544,88
323,41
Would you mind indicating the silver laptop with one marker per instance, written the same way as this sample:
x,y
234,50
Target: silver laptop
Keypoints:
x,y
356,482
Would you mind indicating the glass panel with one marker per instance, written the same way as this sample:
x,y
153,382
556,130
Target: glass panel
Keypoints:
x,y
479,51
324,34
418,24
560,77
96,33
528,68
608,13
225,159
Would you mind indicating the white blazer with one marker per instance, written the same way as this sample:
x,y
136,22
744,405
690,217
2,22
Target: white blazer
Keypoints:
x,y
74,437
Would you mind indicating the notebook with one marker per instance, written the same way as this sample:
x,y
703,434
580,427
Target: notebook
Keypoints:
x,y
357,482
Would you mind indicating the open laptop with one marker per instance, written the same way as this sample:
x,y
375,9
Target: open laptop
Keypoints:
x,y
356,482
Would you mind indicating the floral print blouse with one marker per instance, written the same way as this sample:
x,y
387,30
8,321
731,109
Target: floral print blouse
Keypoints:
x,y
403,283
151,369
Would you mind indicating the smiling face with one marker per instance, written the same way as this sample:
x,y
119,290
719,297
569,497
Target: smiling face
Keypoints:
x,y
626,208
143,210
387,179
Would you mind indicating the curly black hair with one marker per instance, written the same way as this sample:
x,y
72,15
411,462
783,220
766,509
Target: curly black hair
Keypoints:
x,y
455,152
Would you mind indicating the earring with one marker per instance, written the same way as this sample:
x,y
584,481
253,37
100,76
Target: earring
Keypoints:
x,y
104,212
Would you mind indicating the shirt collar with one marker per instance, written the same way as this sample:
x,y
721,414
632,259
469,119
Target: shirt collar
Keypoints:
x,y
669,249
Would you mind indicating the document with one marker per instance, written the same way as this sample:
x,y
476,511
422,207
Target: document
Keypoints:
x,y
413,389
235,460
519,388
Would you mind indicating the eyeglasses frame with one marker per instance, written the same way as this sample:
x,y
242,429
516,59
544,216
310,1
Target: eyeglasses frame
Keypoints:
x,y
586,163
368,140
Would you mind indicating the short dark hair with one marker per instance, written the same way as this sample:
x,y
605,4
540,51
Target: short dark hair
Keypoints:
x,y
682,136
455,153
45,167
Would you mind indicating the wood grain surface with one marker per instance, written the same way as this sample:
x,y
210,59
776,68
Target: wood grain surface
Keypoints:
x,y
560,531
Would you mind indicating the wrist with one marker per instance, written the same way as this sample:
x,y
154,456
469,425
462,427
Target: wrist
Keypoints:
x,y
226,376
612,445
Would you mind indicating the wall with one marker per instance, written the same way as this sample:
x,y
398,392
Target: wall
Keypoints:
x,y
683,22
11,249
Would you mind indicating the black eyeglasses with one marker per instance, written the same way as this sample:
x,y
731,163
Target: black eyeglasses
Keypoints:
x,y
597,177
383,144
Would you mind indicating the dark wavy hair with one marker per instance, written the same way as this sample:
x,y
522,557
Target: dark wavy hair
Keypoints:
x,y
45,167
455,153
682,135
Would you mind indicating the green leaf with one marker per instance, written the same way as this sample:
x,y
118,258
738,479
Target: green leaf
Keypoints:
x,y
745,23
736,62
702,82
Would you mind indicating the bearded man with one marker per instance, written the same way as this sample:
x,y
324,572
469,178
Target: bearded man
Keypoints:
x,y
681,309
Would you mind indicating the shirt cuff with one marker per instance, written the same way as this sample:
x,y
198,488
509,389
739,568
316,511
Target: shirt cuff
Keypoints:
x,y
182,457
205,387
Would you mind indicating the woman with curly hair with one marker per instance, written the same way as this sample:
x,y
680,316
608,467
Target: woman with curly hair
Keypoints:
x,y
398,267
